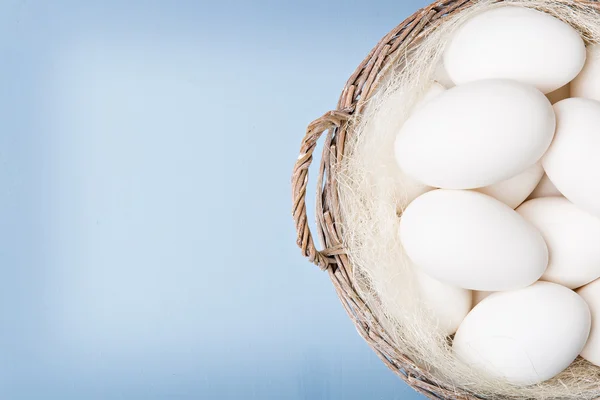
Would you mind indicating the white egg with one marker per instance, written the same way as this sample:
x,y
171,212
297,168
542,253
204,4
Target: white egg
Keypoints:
x,y
559,94
478,296
545,189
472,241
515,43
572,162
449,304
475,135
591,294
515,190
587,83
525,336
572,236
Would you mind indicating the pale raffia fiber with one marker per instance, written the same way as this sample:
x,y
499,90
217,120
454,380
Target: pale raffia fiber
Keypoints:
x,y
361,193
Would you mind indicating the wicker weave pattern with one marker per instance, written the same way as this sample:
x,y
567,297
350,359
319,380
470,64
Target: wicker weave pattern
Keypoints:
x,y
359,88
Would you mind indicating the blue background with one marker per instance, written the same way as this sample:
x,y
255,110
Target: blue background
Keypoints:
x,y
147,249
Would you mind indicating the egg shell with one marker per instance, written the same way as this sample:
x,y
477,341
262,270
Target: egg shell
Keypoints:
x,y
572,236
478,296
472,241
544,189
572,162
475,135
537,49
515,190
587,83
559,94
449,304
591,294
524,336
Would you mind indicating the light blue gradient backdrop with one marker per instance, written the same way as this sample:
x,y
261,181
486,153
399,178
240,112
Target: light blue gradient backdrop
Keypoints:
x,y
146,243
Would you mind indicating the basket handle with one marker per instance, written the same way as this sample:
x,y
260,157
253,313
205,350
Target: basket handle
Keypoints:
x,y
331,120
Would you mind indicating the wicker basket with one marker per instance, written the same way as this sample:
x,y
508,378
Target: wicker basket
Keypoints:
x,y
359,88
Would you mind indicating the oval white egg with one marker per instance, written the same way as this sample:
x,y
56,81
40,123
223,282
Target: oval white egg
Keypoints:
x,y
471,240
545,189
591,294
587,83
525,336
515,190
572,162
515,43
478,296
572,236
475,135
449,304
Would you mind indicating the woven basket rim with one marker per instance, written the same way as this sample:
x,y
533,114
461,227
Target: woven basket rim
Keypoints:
x,y
359,88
